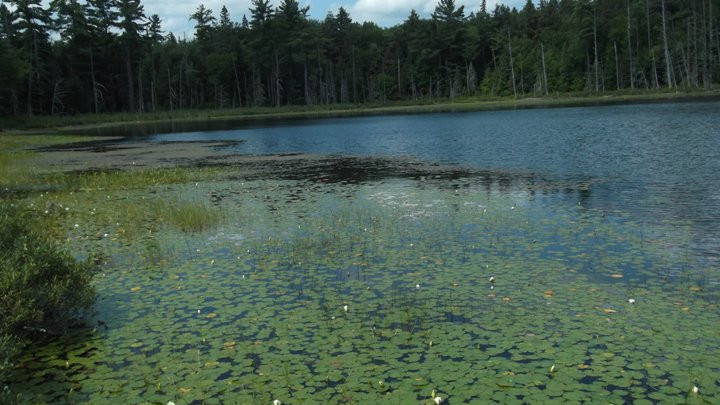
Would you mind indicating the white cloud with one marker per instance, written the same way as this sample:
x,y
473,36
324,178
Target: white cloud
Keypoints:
x,y
387,12
391,12
175,15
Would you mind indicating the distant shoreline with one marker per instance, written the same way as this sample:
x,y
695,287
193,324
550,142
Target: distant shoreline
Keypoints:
x,y
86,123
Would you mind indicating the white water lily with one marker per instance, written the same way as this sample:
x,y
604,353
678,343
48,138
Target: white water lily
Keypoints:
x,y
171,403
438,400
695,389
417,285
345,308
552,369
491,279
277,402
631,300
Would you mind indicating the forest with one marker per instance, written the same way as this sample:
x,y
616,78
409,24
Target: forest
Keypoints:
x,y
104,56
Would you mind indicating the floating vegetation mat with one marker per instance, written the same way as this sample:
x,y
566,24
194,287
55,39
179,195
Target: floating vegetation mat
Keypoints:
x,y
394,291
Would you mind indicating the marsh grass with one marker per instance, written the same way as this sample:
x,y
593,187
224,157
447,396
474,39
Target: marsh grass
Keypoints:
x,y
469,103
17,168
116,179
193,216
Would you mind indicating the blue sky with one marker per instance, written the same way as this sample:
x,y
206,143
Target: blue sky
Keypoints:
x,y
384,12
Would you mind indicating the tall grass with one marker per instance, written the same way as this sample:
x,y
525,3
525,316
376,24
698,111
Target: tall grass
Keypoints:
x,y
193,216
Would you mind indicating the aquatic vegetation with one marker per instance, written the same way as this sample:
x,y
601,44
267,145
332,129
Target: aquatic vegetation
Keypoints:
x,y
17,169
377,292
43,290
192,216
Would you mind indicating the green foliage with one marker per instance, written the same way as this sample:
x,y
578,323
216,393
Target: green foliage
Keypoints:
x,y
193,216
109,57
43,290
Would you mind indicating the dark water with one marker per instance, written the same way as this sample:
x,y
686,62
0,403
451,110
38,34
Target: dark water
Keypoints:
x,y
660,162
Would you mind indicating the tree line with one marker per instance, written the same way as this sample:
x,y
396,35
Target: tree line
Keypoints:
x,y
99,56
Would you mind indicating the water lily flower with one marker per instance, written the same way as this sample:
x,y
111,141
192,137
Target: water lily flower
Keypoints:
x,y
631,300
277,402
438,400
345,308
491,279
695,389
552,369
76,226
171,403
417,285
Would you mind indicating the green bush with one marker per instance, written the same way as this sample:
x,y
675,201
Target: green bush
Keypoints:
x,y
43,290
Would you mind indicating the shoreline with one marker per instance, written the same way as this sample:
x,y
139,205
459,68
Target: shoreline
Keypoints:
x,y
242,115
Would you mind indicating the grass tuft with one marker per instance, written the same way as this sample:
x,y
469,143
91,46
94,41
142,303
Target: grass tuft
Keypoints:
x,y
193,216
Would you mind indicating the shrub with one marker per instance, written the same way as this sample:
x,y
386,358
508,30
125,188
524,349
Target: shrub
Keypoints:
x,y
43,290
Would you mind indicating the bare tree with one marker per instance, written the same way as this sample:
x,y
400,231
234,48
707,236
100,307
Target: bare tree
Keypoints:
x,y
668,65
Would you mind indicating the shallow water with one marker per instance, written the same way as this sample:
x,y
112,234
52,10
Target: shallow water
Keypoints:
x,y
327,287
659,161
254,310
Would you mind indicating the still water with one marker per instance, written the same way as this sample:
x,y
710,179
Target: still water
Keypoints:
x,y
579,265
658,161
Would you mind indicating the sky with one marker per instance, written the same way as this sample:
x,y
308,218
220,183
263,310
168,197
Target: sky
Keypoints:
x,y
385,13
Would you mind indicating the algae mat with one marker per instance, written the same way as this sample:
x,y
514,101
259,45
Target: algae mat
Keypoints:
x,y
393,291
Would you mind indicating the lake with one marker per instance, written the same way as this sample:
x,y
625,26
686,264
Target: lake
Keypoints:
x,y
658,161
557,255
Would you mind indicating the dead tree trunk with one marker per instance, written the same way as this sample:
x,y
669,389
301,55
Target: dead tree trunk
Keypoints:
x,y
617,67
668,65
629,38
542,51
512,68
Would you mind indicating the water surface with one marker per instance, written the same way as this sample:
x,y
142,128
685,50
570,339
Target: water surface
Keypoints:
x,y
574,261
659,161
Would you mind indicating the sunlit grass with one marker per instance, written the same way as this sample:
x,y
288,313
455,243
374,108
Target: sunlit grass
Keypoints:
x,y
116,179
193,216
17,166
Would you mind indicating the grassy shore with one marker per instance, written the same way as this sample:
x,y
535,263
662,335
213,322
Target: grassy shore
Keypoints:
x,y
91,121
